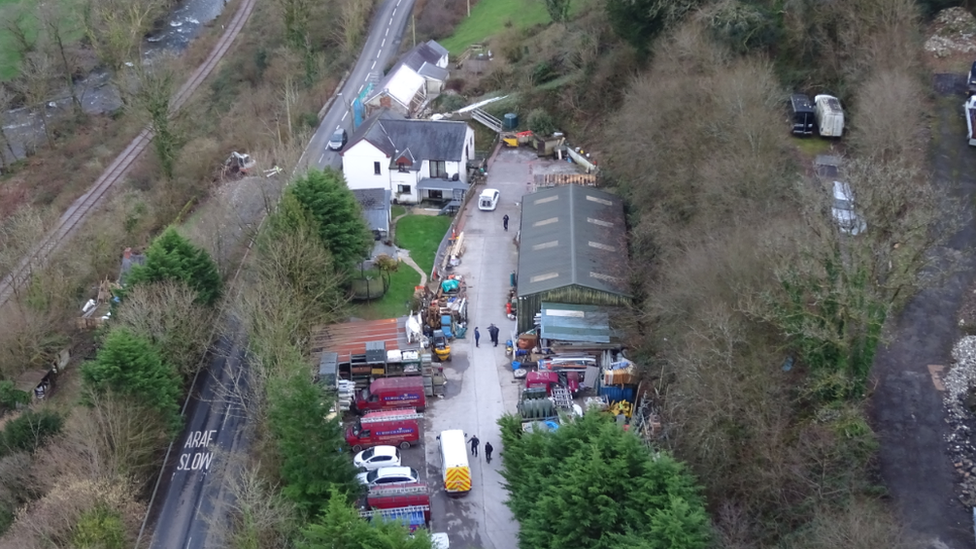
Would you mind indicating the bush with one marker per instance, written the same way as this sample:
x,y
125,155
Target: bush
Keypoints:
x,y
172,257
30,431
99,528
541,122
337,215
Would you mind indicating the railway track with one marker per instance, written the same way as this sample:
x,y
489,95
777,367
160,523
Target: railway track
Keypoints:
x,y
73,218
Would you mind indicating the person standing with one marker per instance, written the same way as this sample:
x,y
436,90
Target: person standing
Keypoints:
x,y
474,445
505,222
477,337
488,449
493,332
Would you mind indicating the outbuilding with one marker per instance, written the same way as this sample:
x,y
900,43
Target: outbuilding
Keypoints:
x,y
572,250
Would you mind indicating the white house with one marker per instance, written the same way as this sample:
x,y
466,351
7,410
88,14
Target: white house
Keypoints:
x,y
413,159
418,77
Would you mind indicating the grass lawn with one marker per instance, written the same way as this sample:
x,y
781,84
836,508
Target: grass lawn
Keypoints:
x,y
488,17
397,210
395,302
9,56
422,234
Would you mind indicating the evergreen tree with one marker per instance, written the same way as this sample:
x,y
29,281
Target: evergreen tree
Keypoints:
x,y
591,485
130,365
315,462
173,257
340,527
336,213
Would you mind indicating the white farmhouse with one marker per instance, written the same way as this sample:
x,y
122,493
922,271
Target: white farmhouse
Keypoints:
x,y
414,159
418,77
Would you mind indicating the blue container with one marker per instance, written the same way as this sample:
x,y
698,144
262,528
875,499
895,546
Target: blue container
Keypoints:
x,y
516,365
615,393
511,121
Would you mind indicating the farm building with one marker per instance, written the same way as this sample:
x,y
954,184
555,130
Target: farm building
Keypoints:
x,y
572,250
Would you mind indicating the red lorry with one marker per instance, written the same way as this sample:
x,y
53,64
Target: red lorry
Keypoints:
x,y
409,503
393,427
392,392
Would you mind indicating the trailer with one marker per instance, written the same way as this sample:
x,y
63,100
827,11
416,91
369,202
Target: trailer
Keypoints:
x,y
830,116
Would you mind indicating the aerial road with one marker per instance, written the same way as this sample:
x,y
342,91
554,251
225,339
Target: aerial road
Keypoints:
x,y
192,493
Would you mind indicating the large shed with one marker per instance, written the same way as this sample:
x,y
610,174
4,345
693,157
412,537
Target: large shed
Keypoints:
x,y
572,249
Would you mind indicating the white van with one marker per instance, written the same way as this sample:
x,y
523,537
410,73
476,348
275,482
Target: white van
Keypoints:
x,y
830,116
488,200
454,462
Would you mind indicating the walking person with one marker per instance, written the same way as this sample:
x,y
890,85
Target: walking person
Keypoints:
x,y
505,222
493,332
474,445
488,449
477,337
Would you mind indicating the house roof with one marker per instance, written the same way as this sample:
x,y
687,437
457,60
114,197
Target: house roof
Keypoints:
x,y
376,207
408,74
352,337
426,139
572,235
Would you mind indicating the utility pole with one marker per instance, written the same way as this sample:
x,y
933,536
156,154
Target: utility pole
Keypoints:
x,y
413,23
469,8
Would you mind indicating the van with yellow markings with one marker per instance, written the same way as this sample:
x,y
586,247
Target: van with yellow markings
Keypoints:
x,y
454,463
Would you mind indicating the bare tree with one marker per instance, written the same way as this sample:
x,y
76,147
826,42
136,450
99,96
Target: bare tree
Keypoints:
x,y
150,92
57,27
20,24
36,83
115,28
6,100
260,516
166,314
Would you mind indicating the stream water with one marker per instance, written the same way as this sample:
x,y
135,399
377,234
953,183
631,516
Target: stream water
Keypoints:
x,y
25,130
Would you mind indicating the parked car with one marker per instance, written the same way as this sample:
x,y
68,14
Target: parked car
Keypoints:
x,y
338,139
386,476
972,79
488,200
376,457
843,210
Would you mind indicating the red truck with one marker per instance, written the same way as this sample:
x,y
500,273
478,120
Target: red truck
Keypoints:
x,y
408,502
394,427
392,392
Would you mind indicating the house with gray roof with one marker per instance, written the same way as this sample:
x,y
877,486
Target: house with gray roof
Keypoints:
x,y
572,250
413,159
416,79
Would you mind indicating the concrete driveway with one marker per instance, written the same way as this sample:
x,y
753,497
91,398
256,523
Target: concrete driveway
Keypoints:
x,y
480,386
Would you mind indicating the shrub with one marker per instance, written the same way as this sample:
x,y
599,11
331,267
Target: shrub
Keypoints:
x,y
172,257
541,122
30,431
99,528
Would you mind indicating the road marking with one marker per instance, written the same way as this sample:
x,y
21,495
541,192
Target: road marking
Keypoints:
x,y
321,158
344,115
387,33
383,43
391,20
373,66
935,370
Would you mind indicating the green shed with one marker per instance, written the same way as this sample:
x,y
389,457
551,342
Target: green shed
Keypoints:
x,y
572,249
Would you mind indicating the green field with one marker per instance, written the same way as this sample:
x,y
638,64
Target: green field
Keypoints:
x,y
395,302
488,18
422,234
9,52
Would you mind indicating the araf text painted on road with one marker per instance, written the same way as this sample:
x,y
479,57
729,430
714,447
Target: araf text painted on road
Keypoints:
x,y
194,461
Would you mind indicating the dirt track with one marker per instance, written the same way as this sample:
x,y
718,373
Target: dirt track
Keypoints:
x,y
907,408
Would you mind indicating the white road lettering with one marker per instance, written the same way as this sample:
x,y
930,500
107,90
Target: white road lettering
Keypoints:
x,y
194,461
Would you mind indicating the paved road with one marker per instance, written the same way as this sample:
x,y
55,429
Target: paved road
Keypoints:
x,y
192,493
481,387
381,47
908,411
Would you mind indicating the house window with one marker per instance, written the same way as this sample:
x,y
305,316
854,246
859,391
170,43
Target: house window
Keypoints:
x,y
376,168
466,155
435,195
438,169
401,167
403,189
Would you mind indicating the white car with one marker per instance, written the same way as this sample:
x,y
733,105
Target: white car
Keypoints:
x,y
488,200
388,476
376,457
843,210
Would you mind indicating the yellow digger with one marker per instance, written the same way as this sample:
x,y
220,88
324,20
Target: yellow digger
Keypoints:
x,y
442,347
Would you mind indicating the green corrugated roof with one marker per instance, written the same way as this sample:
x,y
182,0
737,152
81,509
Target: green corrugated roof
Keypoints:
x,y
572,235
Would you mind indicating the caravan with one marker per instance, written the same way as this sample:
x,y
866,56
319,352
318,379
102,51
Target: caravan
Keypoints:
x,y
454,463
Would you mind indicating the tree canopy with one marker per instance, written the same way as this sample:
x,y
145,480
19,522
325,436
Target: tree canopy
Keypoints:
x,y
172,257
131,365
340,527
590,484
337,214
315,462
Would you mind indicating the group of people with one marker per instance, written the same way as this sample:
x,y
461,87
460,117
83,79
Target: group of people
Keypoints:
x,y
474,448
492,333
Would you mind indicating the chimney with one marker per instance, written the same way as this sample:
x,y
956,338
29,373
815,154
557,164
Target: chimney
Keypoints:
x,y
385,101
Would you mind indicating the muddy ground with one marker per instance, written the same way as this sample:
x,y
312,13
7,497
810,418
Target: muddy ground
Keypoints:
x,y
907,403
